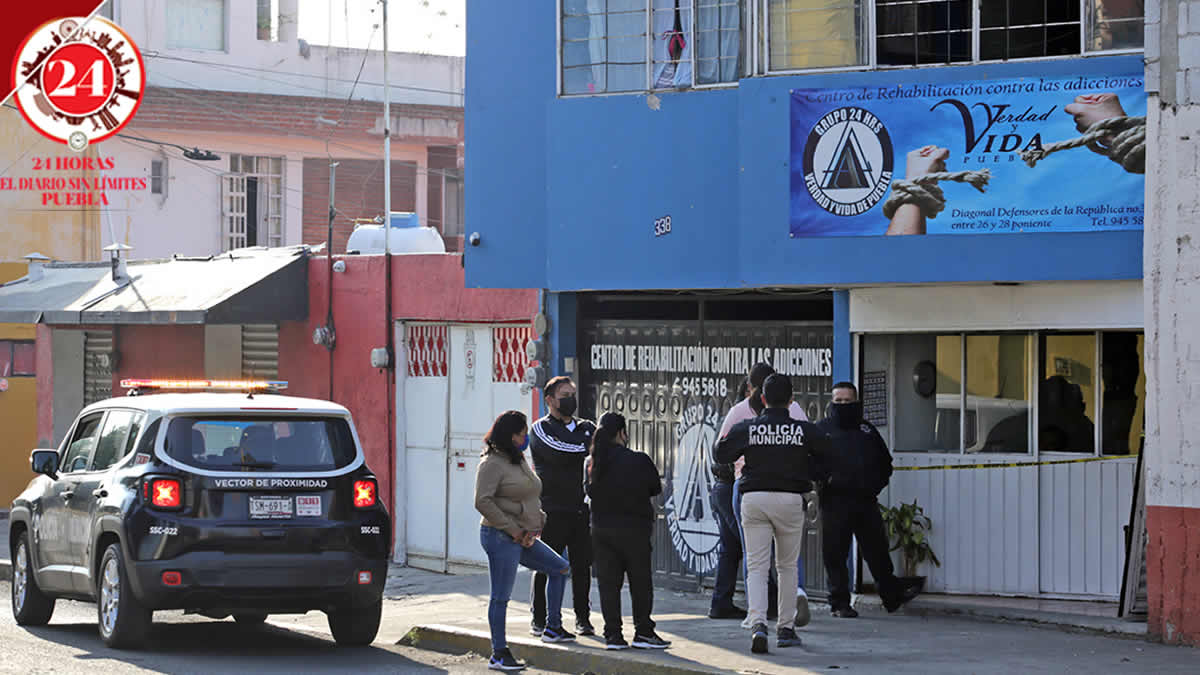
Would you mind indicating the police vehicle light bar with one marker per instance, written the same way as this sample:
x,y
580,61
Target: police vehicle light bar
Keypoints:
x,y
234,385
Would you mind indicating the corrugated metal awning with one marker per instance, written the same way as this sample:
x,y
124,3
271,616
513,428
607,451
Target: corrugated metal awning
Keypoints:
x,y
255,285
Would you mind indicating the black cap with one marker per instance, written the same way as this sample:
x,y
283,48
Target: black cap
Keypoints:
x,y
759,373
777,390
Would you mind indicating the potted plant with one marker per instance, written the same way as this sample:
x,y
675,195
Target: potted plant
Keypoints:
x,y
907,526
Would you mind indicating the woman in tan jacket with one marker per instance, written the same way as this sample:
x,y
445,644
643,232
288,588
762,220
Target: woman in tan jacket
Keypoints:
x,y
508,495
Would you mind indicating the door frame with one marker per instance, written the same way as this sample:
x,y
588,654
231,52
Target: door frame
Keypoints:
x,y
400,514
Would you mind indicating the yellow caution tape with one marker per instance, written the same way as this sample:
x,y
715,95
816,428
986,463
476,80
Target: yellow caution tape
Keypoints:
x,y
1011,465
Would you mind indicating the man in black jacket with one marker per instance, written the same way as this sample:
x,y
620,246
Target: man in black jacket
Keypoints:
x,y
783,458
860,466
559,445
729,551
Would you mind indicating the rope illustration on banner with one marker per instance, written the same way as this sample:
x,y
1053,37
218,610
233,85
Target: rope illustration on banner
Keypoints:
x,y
1127,147
925,193
1008,465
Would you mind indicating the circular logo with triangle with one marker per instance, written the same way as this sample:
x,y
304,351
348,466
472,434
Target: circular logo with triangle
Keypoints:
x,y
848,161
695,532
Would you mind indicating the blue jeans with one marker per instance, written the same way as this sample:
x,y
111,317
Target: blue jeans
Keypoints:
x,y
772,583
729,555
504,554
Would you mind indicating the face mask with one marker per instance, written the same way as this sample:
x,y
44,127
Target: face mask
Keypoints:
x,y
524,444
566,406
848,415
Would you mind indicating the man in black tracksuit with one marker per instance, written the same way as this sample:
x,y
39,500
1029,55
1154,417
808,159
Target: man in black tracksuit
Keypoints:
x,y
860,466
559,445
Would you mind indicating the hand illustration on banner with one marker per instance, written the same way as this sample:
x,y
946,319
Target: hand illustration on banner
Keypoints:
x,y
1107,131
908,217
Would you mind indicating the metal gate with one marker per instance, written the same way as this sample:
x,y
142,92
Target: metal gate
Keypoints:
x,y
97,365
457,378
260,351
674,381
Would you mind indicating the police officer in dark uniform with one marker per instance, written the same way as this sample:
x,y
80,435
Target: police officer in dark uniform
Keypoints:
x,y
783,457
860,466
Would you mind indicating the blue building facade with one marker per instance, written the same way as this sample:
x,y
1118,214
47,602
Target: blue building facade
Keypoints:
x,y
694,195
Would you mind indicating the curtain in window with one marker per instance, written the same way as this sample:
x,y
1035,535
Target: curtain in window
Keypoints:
x,y
718,41
585,47
672,44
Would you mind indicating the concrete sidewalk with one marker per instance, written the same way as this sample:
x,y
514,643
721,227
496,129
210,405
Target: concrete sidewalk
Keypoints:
x,y
449,614
936,634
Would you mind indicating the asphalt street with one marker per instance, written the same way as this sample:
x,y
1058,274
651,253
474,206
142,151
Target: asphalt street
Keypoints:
x,y
190,644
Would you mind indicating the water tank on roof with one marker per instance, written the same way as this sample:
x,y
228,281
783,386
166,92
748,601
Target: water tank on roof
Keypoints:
x,y
408,236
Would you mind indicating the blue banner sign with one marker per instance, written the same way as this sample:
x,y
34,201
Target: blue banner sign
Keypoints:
x,y
977,157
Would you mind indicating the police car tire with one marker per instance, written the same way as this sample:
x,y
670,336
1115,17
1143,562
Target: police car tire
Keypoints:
x,y
356,626
251,618
38,607
133,620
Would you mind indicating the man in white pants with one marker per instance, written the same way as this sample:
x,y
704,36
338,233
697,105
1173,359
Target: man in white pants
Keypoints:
x,y
783,458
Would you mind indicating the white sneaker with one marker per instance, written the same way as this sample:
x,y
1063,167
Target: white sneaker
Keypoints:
x,y
746,623
803,615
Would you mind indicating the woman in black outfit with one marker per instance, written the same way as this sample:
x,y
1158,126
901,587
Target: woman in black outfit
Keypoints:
x,y
621,483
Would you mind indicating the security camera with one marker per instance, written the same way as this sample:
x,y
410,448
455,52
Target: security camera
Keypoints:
x,y
474,239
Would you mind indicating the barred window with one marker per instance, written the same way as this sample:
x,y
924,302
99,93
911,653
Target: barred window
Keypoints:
x,y
816,34
917,32
720,50
645,45
1017,29
642,45
603,46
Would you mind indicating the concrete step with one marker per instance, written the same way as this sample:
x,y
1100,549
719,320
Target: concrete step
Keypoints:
x,y
1017,610
586,655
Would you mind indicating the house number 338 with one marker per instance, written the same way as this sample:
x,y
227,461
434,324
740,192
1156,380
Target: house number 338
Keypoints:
x,y
662,226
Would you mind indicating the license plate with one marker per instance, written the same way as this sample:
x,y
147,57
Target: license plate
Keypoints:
x,y
273,508
308,505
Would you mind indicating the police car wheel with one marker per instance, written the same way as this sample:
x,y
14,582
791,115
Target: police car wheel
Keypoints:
x,y
124,622
356,626
251,619
30,606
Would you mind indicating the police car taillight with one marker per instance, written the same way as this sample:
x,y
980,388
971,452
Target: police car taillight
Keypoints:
x,y
164,493
364,494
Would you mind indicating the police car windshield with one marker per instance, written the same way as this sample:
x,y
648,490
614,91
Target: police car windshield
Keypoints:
x,y
285,443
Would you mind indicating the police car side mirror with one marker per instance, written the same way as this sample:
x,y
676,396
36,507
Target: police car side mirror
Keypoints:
x,y
45,462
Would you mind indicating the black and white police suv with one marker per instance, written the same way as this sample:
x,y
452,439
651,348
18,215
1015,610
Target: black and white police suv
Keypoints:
x,y
239,502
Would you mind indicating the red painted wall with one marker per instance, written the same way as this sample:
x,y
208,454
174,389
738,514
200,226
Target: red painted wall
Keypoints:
x,y
157,351
425,287
432,288
1173,573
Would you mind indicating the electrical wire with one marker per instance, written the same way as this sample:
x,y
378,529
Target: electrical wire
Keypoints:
x,y
359,154
286,132
218,173
362,205
156,55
